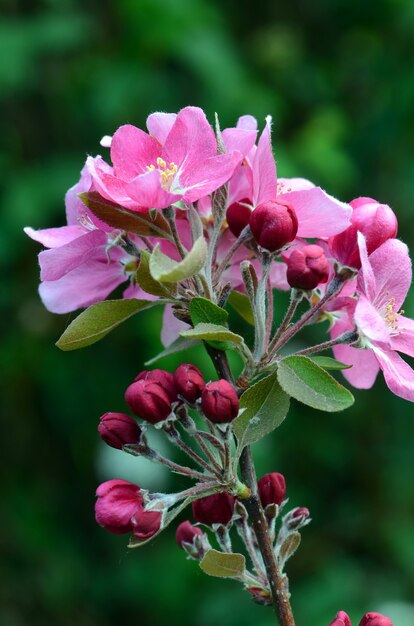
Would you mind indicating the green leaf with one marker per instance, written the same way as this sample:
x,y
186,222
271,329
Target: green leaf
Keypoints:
x,y
328,363
143,224
205,311
166,270
305,381
178,345
212,332
146,281
265,407
98,320
289,547
223,564
241,304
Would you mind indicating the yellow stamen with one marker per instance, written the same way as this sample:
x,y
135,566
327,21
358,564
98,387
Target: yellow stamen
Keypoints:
x,y
166,173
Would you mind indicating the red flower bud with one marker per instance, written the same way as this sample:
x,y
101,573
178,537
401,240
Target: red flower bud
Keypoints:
x,y
215,509
375,619
118,501
146,524
377,222
149,400
220,402
118,429
307,267
296,518
238,216
273,225
189,382
164,378
341,619
186,533
272,489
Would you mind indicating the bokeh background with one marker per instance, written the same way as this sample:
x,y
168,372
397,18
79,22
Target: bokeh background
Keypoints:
x,y
338,78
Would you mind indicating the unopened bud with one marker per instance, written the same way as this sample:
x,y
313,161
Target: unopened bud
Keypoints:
x,y
238,216
377,222
116,504
296,518
375,619
149,400
118,429
164,378
215,509
272,489
341,619
189,382
186,533
146,524
220,402
307,267
273,225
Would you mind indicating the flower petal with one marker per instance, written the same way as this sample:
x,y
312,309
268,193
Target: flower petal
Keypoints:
x,y
55,237
107,184
403,341
239,139
398,375
247,122
264,169
132,150
57,262
391,265
171,327
366,282
319,214
206,177
370,322
191,140
364,370
147,191
160,124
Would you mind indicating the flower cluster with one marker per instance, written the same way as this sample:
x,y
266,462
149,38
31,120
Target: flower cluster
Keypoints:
x,y
369,619
195,219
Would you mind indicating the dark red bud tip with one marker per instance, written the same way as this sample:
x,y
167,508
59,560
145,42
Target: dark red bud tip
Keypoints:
x,y
189,382
272,489
341,619
149,400
273,224
307,267
238,216
164,378
375,619
146,524
220,402
215,509
118,429
186,533
296,517
116,504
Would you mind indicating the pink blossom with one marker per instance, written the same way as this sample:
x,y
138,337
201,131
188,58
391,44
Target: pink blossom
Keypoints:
x,y
179,160
383,283
117,502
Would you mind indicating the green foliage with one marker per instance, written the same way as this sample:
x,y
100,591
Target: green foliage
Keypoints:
x,y
263,407
98,320
205,311
223,565
328,363
305,381
166,270
241,303
146,281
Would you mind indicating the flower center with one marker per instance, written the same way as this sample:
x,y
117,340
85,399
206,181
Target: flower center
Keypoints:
x,y
166,173
391,315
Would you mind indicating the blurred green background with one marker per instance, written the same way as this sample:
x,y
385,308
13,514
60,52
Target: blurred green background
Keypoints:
x,y
338,78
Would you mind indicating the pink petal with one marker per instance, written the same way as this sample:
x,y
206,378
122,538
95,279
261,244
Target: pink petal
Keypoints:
x,y
132,150
319,214
160,124
247,122
366,283
171,327
206,177
397,373
391,265
364,368
286,185
264,169
239,139
278,276
74,206
55,237
370,322
148,193
403,341
108,185
89,283
191,140
240,184
135,291
57,262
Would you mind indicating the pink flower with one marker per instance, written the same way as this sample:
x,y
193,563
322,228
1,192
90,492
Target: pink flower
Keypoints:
x,y
118,501
319,214
341,619
383,283
179,160
83,263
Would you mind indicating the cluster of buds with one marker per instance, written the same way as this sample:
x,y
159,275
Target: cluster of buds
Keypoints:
x,y
369,619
